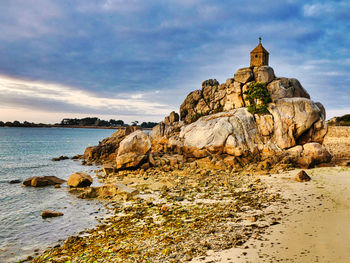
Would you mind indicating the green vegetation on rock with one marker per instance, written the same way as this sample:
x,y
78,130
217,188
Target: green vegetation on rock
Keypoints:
x,y
258,96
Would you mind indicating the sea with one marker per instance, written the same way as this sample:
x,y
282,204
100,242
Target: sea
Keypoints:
x,y
27,152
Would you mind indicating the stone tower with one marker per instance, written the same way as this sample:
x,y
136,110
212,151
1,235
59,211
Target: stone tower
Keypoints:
x,y
259,56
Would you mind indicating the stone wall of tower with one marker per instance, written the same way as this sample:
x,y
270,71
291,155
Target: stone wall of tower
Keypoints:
x,y
258,59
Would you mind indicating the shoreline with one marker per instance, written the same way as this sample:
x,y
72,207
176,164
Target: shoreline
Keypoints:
x,y
275,232
177,216
314,225
75,127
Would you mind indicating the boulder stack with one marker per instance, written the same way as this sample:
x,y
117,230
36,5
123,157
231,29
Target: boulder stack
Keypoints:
x,y
214,123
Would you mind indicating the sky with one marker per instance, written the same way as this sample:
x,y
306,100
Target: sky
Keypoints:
x,y
138,60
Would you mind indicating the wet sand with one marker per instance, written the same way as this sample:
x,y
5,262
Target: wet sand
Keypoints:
x,y
315,225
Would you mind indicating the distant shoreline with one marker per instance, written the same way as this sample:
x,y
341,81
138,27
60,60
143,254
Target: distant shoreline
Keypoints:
x,y
73,126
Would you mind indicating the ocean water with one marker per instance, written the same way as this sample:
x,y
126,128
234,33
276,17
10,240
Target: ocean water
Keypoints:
x,y
26,152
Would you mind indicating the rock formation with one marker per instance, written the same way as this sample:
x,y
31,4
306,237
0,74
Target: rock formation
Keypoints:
x,y
39,181
79,179
214,122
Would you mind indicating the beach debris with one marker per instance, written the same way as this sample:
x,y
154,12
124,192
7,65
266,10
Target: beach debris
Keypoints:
x,y
49,213
59,158
108,168
38,181
16,181
79,179
106,191
302,176
200,209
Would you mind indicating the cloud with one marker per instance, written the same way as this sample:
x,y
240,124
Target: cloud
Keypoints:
x,y
322,9
158,51
58,98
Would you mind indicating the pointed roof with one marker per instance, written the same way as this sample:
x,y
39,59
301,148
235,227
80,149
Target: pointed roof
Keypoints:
x,y
259,48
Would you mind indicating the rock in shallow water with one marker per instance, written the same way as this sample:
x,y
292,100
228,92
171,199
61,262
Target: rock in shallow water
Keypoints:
x,y
16,181
38,181
48,214
59,158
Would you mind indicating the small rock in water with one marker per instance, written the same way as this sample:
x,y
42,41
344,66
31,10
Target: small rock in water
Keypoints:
x,y
59,158
48,214
302,176
15,181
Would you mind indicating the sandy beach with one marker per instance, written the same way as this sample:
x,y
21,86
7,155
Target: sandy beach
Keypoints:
x,y
315,222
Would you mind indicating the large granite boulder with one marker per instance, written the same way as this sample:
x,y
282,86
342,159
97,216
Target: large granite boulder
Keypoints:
x,y
309,155
133,150
79,179
264,74
286,88
244,75
292,117
106,150
234,132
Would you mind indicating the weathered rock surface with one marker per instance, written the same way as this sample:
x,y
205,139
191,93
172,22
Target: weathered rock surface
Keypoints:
x,y
313,153
79,179
133,150
286,88
244,75
292,117
107,149
264,74
233,132
48,214
38,181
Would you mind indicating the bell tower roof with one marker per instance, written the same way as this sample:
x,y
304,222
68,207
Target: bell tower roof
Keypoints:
x,y
259,48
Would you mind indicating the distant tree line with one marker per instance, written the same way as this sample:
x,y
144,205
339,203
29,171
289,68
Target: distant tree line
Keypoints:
x,y
92,122
22,124
89,121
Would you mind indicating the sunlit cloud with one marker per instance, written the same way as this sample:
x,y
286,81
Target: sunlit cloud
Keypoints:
x,y
59,98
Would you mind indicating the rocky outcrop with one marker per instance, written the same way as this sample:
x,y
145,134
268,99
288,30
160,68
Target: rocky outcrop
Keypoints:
x,y
214,123
215,97
79,179
133,150
106,151
39,181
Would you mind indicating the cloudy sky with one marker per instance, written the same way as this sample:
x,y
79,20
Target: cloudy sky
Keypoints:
x,y
137,59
